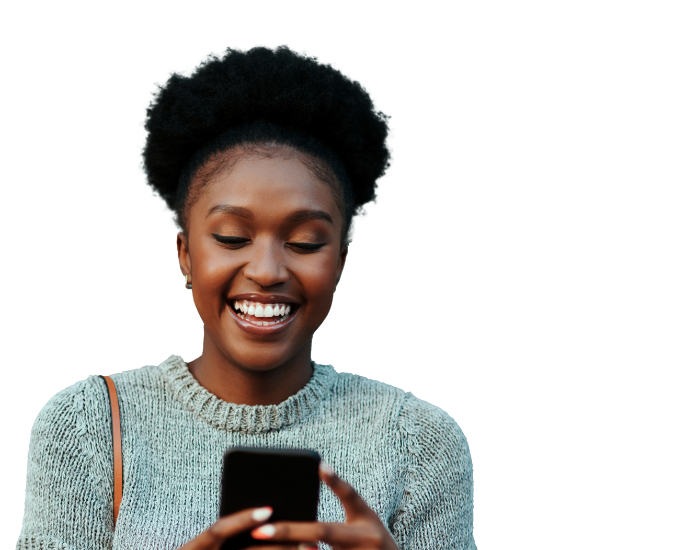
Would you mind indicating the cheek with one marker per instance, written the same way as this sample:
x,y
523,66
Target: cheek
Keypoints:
x,y
318,280
214,268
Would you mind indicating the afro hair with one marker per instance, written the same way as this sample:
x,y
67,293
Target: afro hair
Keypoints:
x,y
273,95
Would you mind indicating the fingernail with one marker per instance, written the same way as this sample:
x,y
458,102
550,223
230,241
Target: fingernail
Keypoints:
x,y
326,469
261,514
264,532
305,546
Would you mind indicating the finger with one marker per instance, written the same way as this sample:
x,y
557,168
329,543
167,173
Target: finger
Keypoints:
x,y
303,546
353,503
229,526
362,534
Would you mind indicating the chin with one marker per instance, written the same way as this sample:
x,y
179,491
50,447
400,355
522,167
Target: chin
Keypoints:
x,y
259,360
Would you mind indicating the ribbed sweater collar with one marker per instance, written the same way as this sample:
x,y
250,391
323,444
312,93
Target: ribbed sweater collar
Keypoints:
x,y
246,418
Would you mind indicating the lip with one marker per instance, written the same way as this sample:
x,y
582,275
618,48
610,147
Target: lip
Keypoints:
x,y
263,298
256,329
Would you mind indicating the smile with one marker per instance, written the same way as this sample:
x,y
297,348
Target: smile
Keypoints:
x,y
250,314
247,310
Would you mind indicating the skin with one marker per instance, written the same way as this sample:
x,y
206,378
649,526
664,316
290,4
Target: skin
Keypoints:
x,y
236,366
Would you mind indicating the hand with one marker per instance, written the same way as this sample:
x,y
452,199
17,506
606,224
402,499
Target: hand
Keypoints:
x,y
361,530
227,527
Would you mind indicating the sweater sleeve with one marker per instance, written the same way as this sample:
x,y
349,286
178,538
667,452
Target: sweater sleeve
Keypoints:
x,y
436,511
69,486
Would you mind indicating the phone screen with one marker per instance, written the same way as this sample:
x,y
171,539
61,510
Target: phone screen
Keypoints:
x,y
285,479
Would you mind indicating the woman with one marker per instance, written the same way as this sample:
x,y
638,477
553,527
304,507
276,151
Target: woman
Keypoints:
x,y
264,156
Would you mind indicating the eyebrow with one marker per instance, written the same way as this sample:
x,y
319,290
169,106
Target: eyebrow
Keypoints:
x,y
298,216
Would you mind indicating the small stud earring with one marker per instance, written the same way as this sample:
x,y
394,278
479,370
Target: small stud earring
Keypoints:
x,y
188,285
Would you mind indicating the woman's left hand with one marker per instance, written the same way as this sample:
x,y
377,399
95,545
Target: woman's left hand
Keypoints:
x,y
361,530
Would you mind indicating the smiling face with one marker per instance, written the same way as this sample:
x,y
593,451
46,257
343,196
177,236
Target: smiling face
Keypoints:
x,y
264,256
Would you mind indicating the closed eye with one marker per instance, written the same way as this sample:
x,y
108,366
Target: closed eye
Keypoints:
x,y
306,247
234,242
239,240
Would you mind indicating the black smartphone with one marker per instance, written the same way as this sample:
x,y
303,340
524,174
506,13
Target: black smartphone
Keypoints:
x,y
285,479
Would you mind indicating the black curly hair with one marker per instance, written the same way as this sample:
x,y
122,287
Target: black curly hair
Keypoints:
x,y
257,101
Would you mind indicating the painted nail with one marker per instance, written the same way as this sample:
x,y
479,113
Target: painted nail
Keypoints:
x,y
261,514
326,469
264,532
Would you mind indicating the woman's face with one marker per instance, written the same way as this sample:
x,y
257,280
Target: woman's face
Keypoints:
x,y
264,258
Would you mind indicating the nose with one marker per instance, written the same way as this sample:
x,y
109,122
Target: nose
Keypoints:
x,y
266,265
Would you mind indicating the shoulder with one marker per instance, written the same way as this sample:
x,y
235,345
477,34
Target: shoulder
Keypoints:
x,y
421,423
430,422
435,431
412,414
87,402
83,398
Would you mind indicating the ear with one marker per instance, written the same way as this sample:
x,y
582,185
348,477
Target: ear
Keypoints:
x,y
181,250
342,259
181,239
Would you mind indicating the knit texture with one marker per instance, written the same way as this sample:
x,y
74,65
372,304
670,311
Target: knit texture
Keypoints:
x,y
408,459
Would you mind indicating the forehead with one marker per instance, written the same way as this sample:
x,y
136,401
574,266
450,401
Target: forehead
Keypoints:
x,y
277,184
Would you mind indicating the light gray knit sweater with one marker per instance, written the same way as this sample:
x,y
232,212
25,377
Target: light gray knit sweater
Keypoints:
x,y
407,458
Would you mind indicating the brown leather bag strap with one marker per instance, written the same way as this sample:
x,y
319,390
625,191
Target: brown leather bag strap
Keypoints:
x,y
117,447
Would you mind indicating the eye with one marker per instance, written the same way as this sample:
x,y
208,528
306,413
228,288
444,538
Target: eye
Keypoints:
x,y
240,241
232,242
307,246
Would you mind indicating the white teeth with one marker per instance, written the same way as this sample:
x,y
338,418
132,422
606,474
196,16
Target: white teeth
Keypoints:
x,y
280,311
261,323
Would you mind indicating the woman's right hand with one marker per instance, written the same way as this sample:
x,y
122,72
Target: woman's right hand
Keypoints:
x,y
227,527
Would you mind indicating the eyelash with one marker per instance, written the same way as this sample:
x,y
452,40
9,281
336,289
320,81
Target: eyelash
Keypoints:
x,y
238,242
